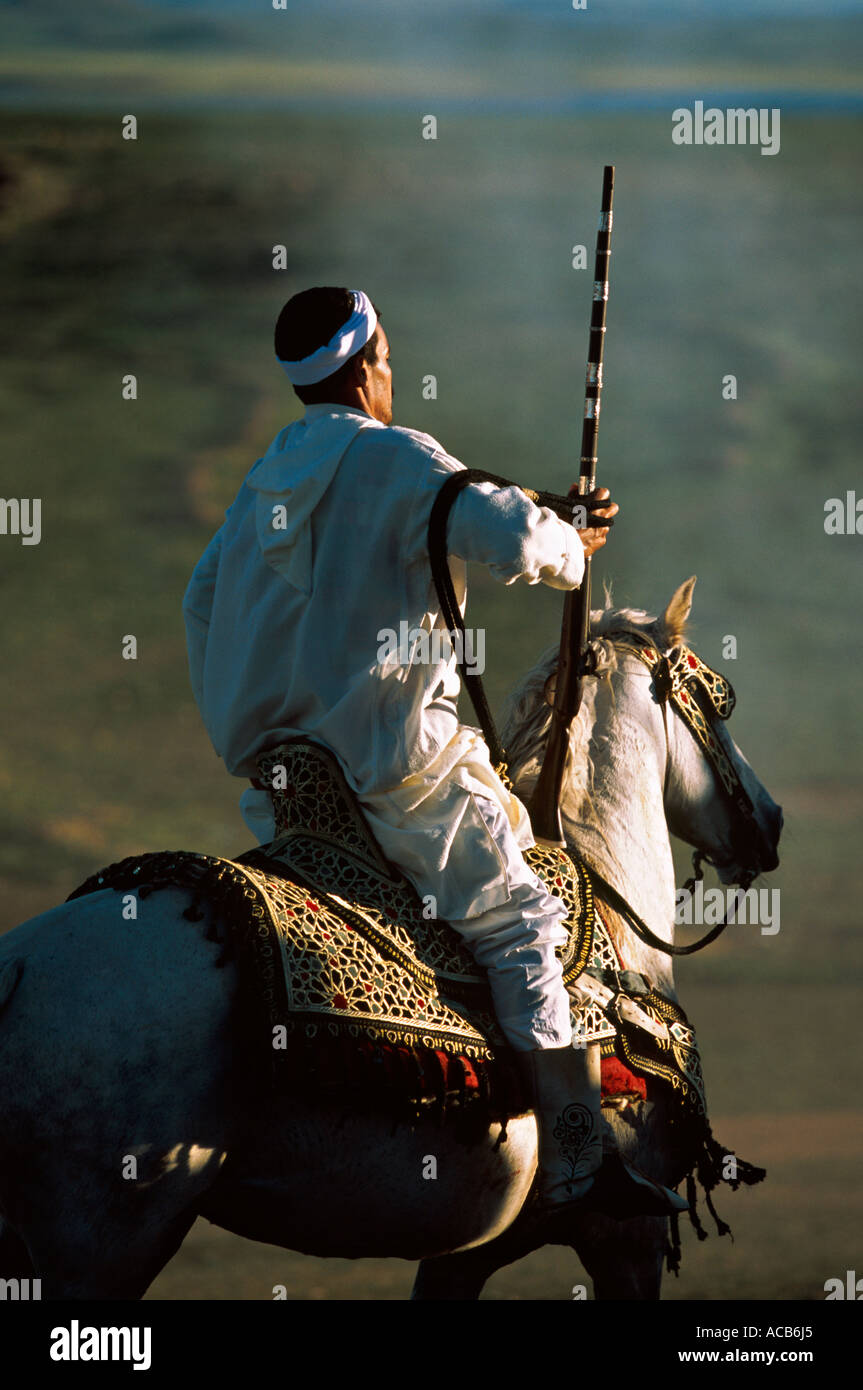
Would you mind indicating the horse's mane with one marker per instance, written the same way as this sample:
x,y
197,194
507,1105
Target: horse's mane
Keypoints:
x,y
526,714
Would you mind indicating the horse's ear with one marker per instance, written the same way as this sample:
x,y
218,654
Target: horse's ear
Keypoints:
x,y
677,613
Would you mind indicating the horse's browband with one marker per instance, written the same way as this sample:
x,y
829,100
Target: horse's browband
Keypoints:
x,y
681,677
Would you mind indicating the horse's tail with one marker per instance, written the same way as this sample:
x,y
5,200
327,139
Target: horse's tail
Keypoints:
x,y
10,974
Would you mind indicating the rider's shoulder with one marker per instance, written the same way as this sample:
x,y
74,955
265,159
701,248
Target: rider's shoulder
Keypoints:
x,y
424,447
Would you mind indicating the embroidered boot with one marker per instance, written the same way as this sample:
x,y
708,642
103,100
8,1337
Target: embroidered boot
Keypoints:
x,y
577,1173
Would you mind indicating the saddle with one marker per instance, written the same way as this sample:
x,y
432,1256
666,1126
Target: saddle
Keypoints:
x,y
363,954
348,986
349,969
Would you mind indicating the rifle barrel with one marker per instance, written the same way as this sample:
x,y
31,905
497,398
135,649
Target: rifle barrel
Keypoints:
x,y
544,805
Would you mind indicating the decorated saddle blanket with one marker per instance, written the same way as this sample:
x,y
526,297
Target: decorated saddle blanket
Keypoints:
x,y
346,983
356,983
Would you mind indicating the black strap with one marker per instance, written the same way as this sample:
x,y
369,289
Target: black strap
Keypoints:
x,y
437,547
641,929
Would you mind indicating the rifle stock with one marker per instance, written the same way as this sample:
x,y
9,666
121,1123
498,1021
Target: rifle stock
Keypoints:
x,y
544,805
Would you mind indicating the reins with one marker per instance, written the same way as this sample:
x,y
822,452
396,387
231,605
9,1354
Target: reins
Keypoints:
x,y
437,548
640,927
679,678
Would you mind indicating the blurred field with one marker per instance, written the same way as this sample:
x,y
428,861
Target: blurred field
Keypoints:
x,y
154,258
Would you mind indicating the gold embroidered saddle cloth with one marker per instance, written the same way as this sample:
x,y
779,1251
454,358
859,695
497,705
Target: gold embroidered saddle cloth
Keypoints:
x,y
358,955
342,951
361,953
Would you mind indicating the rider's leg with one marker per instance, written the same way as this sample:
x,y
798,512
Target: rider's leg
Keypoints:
x,y
532,1007
461,849
515,943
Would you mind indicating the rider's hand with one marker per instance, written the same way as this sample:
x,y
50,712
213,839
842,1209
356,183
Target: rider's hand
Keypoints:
x,y
593,537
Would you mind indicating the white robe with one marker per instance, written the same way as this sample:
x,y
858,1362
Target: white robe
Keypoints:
x,y
323,550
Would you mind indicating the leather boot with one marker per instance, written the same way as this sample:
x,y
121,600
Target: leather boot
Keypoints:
x,y
577,1172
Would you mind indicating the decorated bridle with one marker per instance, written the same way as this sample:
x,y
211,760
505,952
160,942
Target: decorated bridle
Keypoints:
x,y
698,694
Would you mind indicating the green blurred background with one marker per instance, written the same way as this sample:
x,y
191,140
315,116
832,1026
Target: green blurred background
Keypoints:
x,y
154,257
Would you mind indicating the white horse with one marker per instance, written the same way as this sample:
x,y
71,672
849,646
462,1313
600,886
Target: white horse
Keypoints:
x,y
127,1110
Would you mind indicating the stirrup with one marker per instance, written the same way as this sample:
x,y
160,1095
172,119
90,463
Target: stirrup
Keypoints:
x,y
618,1190
621,1190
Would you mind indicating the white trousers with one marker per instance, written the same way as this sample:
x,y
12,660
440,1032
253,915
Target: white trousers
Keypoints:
x,y
514,941
515,944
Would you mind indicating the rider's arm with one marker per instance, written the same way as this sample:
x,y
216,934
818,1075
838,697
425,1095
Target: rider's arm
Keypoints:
x,y
503,529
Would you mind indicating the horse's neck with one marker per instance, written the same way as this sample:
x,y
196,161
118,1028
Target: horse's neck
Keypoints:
x,y
614,816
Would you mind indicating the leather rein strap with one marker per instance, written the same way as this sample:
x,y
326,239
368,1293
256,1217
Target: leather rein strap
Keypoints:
x,y
642,930
682,679
679,677
438,551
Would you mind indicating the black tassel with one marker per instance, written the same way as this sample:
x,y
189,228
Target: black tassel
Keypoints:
x,y
672,1249
722,1227
692,1199
712,1161
749,1173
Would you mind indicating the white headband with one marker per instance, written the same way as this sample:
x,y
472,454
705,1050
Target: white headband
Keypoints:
x,y
352,336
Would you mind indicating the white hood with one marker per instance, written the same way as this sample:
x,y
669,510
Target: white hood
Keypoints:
x,y
294,474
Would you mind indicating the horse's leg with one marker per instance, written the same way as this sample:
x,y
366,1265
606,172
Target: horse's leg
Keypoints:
x,y
624,1258
465,1274
450,1277
107,1264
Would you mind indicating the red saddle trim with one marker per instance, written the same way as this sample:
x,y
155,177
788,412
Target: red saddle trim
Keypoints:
x,y
618,1080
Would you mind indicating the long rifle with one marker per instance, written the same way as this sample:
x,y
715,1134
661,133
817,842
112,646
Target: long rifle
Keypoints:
x,y
544,805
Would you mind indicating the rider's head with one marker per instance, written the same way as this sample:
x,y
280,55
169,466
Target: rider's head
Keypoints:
x,y
310,320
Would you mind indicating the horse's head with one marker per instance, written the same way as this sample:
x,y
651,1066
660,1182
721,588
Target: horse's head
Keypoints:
x,y
713,799
649,751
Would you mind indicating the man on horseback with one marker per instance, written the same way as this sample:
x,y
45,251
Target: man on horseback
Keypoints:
x,y
323,552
